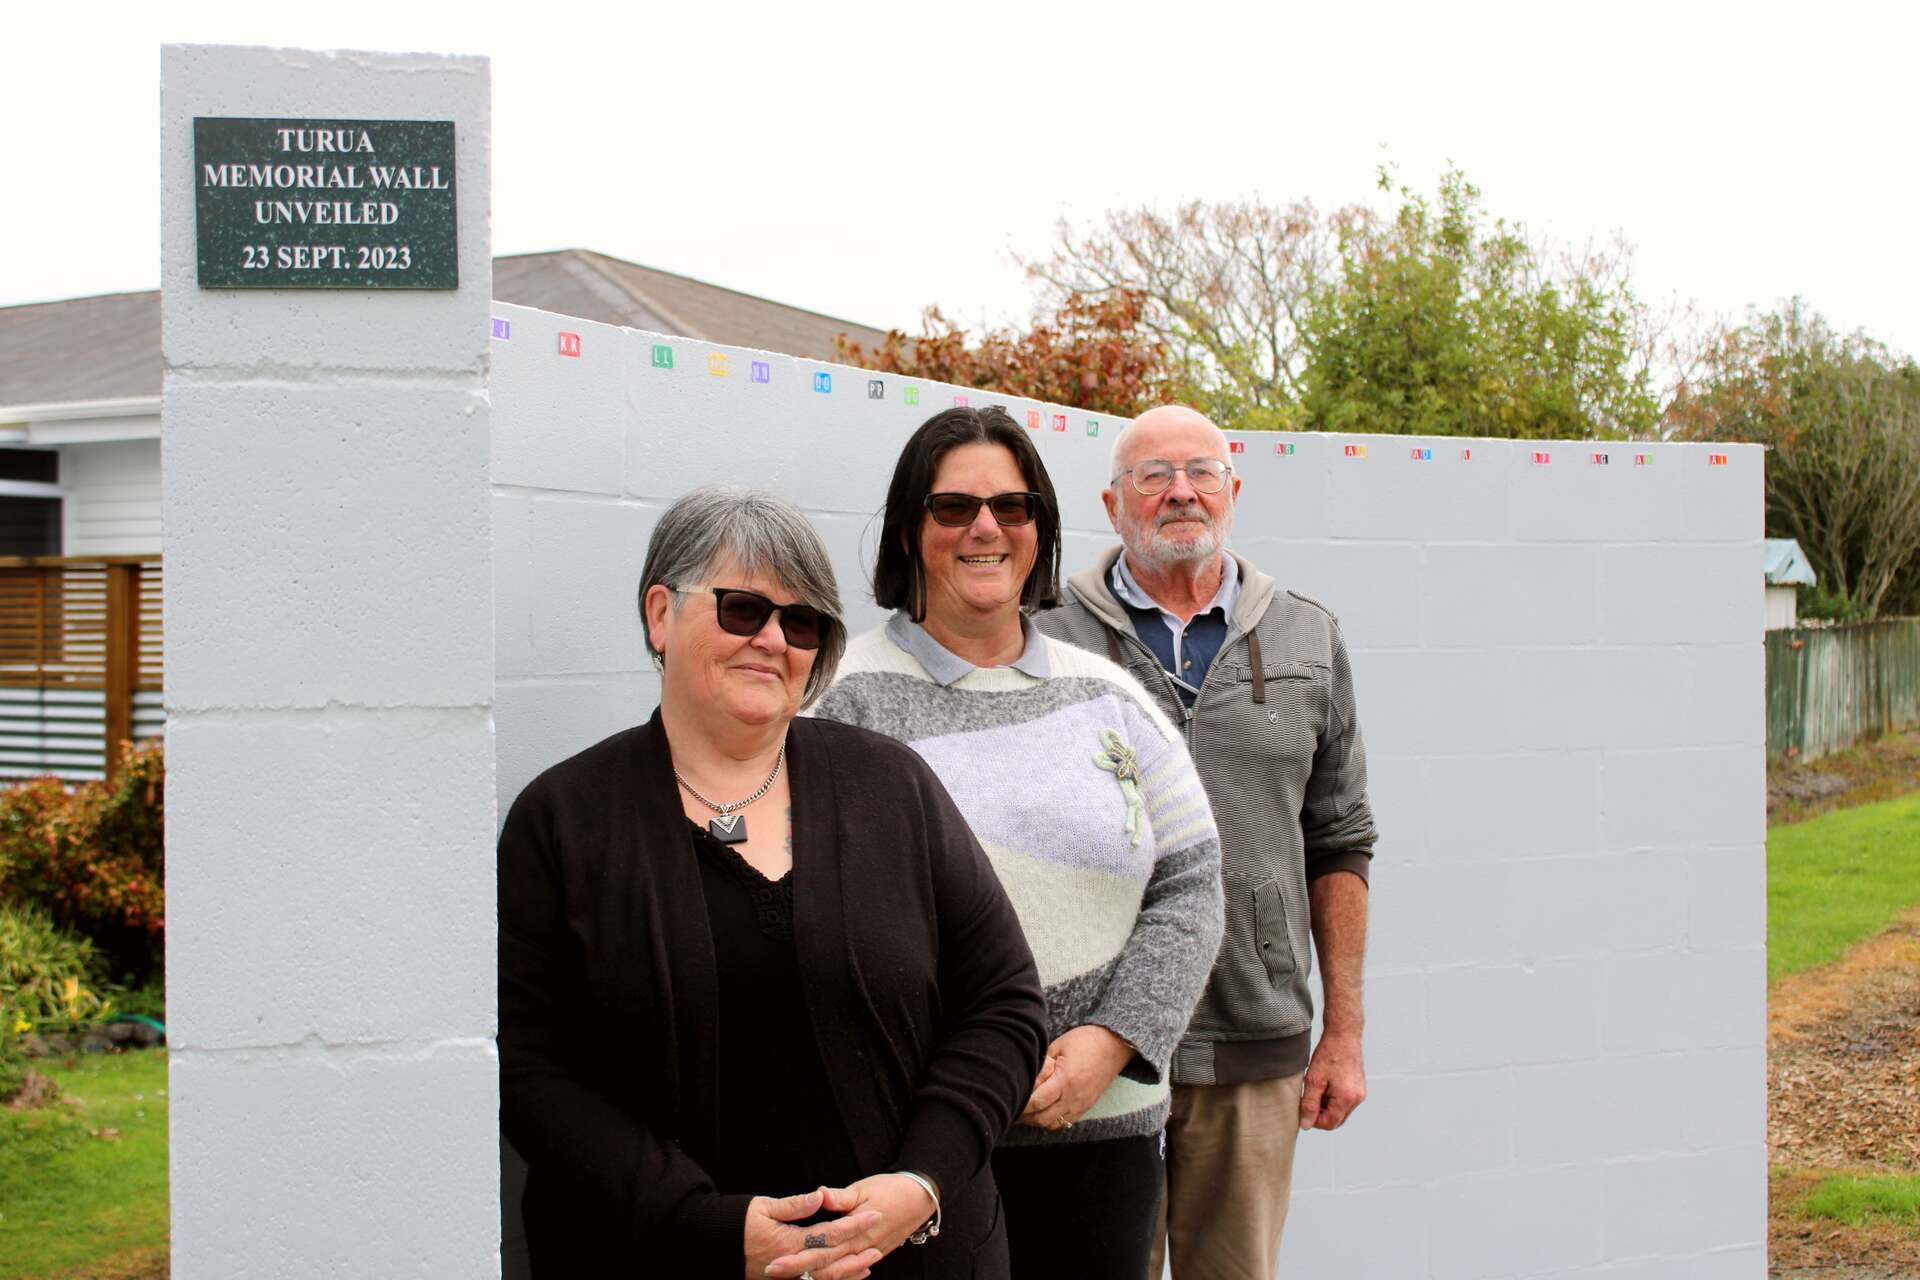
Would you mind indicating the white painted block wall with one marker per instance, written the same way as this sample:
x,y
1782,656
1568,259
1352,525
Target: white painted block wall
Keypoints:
x,y
330,886
1560,679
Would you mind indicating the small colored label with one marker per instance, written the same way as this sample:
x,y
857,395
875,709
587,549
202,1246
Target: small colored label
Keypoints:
x,y
1236,446
876,389
1093,426
569,344
959,402
911,395
1642,459
1716,459
1059,422
1601,460
823,382
760,371
502,330
1423,455
717,364
1283,449
1541,458
1033,419
662,356
1466,455
1355,451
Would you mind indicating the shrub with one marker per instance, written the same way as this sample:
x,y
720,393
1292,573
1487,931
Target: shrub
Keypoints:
x,y
92,858
50,979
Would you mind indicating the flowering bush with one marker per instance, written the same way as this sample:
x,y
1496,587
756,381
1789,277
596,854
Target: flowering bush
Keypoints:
x,y
50,979
91,857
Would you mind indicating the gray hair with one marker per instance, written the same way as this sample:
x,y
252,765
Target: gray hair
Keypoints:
x,y
763,534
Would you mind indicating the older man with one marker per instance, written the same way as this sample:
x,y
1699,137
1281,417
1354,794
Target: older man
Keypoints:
x,y
1259,678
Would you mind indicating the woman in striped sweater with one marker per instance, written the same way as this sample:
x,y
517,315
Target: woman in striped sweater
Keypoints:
x,y
1087,804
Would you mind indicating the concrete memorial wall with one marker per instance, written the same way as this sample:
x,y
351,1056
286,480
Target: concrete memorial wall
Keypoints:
x,y
1557,653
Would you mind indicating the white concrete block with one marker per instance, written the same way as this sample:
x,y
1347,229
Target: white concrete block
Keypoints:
x,y
1504,596
1562,908
1602,1109
587,556
1416,1129
354,907
1487,808
1418,489
309,1163
514,586
1685,1204
1725,503
564,425
297,334
1434,702
1285,495
1570,497
1397,793
541,722
1380,1234
1744,1263
1374,615
1487,1018
1660,1001
1396,1007
327,545
1683,594
1560,698
1683,695
1726,897
1677,799
1728,1099
1510,1223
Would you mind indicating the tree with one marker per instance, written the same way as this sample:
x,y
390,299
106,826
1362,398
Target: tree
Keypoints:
x,y
1091,353
1442,322
1840,416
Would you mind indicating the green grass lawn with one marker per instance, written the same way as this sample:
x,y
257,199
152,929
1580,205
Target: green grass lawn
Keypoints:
x,y
1857,1201
74,1199
1838,878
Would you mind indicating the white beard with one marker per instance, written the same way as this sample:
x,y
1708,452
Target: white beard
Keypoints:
x,y
1149,546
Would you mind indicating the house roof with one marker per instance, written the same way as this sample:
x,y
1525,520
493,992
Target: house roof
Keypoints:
x,y
108,347
1787,564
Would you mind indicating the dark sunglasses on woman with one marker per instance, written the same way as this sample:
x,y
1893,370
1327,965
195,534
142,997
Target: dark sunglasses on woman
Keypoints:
x,y
742,613
956,510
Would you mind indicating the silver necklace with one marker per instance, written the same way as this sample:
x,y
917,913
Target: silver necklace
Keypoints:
x,y
731,827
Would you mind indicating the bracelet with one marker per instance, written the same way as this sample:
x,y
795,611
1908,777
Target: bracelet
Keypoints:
x,y
931,1227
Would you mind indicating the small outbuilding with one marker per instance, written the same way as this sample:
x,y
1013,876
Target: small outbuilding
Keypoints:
x,y
1788,570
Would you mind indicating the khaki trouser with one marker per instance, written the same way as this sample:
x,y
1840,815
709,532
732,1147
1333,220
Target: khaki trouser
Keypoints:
x,y
1229,1176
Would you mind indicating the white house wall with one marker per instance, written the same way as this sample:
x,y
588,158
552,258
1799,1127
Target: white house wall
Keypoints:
x,y
1557,655
112,503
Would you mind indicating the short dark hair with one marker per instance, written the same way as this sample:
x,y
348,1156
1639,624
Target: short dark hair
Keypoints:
x,y
899,582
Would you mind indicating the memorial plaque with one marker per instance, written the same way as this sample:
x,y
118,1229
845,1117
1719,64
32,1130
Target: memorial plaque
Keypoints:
x,y
325,204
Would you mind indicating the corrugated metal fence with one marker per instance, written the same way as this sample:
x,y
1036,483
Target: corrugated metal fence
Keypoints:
x,y
1830,687
80,662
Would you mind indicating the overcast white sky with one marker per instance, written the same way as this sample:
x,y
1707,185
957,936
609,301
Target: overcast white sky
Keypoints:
x,y
867,160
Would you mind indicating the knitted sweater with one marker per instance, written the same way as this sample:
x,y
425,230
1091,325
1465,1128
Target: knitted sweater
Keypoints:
x,y
1087,804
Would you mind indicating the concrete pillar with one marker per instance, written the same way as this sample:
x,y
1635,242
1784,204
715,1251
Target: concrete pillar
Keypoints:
x,y
329,629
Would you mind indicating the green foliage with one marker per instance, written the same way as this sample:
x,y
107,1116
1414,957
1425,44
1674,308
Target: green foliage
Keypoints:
x,y
1840,415
13,1059
1837,879
49,979
1830,606
1856,1201
83,1187
92,857
1443,322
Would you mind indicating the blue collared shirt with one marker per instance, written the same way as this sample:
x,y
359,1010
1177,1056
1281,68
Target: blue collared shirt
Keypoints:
x,y
947,667
1186,650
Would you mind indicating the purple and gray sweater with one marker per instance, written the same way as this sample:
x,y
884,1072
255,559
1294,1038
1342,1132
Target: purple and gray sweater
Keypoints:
x,y
1087,804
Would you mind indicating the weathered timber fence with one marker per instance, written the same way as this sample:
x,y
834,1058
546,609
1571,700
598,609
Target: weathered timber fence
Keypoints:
x,y
80,662
1830,687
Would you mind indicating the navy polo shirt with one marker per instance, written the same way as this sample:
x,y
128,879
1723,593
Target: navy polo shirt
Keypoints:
x,y
1186,650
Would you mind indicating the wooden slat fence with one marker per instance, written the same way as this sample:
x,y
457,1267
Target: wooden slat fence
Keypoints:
x,y
1830,687
81,662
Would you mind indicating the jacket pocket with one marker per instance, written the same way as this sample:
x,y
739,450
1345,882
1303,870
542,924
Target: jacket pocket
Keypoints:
x,y
1272,933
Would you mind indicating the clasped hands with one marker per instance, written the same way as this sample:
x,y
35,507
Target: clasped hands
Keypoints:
x,y
877,1214
1079,1067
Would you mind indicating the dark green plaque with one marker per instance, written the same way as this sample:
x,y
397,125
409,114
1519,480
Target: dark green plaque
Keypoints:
x,y
325,204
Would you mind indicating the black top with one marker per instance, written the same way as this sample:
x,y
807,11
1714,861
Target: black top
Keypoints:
x,y
916,978
779,1134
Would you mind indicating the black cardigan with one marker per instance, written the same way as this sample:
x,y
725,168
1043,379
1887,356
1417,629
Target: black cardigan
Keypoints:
x,y
922,991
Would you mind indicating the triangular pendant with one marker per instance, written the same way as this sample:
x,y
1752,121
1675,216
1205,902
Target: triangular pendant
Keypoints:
x,y
731,829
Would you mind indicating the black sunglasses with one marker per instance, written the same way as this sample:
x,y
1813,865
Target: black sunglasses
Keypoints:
x,y
743,613
957,510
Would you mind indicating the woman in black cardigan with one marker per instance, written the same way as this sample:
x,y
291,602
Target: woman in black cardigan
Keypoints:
x,y
764,1008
